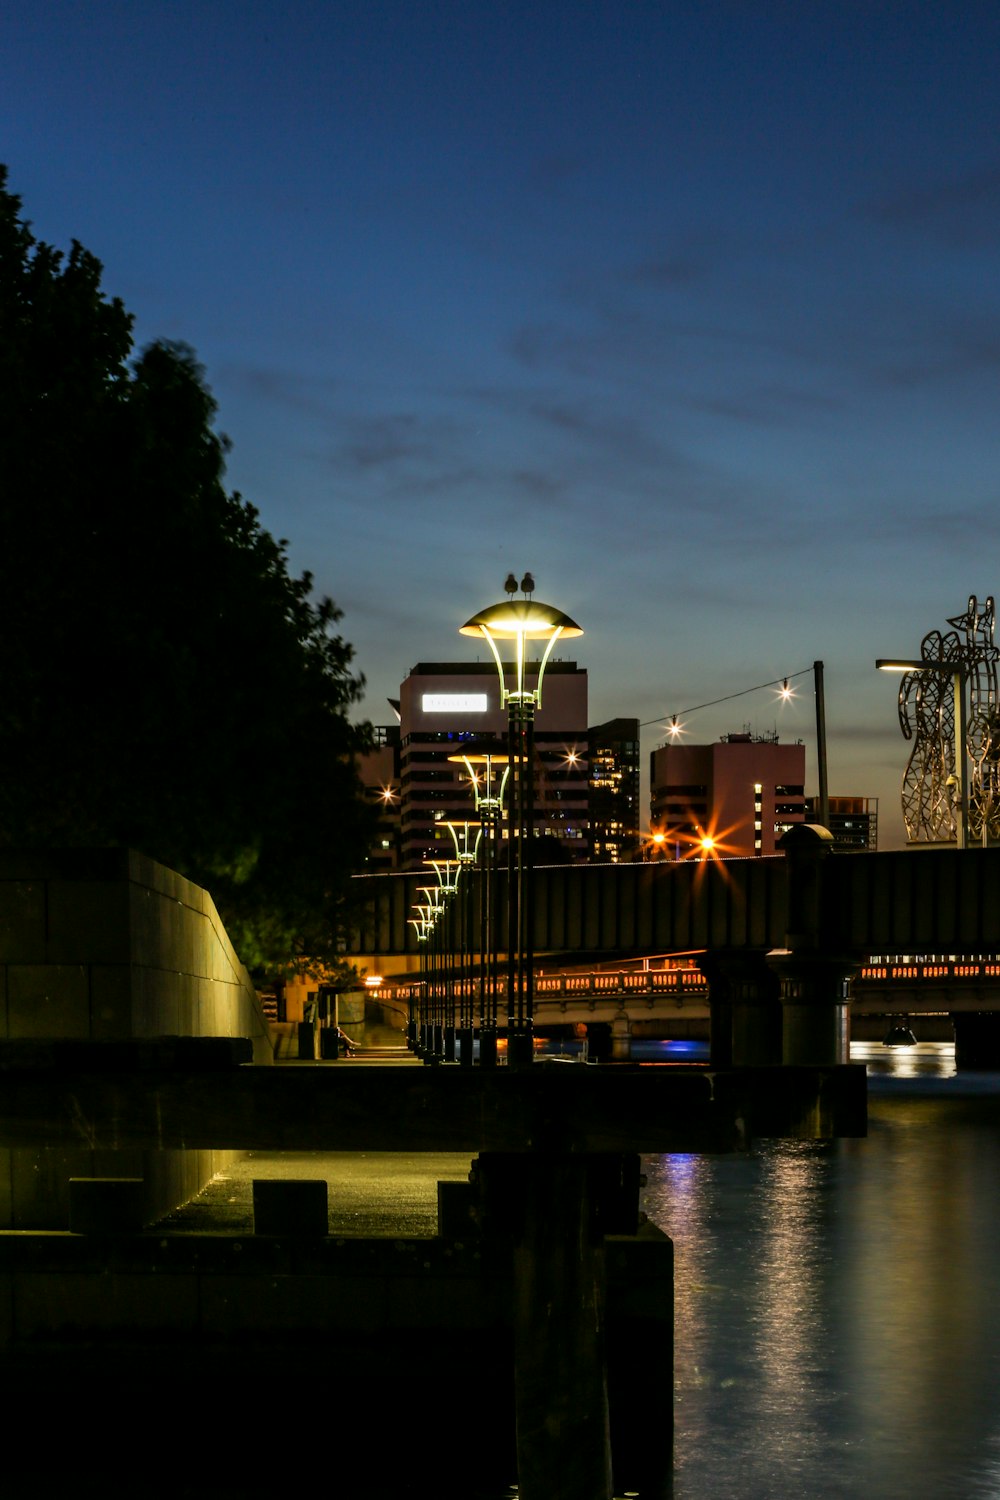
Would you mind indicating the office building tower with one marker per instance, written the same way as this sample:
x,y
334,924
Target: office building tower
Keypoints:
x,y
734,797
448,707
614,791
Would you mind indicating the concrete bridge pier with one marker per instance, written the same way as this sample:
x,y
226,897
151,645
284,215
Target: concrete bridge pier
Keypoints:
x,y
621,1036
815,996
977,1040
814,981
744,1007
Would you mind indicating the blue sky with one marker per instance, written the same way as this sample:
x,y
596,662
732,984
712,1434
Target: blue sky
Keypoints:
x,y
690,308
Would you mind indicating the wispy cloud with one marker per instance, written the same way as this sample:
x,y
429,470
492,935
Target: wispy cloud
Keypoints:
x,y
307,393
964,210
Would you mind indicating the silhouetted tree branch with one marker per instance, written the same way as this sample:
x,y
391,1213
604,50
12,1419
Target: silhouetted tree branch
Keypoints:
x,y
165,682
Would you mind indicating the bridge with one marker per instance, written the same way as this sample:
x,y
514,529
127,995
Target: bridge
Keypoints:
x,y
738,918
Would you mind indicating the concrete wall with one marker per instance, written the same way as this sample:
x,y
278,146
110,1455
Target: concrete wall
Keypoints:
x,y
107,945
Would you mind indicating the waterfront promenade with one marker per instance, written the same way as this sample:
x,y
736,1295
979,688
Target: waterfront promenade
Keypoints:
x,y
837,1310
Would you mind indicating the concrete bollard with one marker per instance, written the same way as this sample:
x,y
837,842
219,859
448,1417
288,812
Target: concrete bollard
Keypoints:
x,y
106,1205
290,1206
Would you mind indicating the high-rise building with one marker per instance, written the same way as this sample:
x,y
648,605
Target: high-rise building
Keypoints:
x,y
853,821
737,796
614,791
445,707
379,774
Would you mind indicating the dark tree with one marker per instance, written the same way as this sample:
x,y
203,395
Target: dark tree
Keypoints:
x,y
165,683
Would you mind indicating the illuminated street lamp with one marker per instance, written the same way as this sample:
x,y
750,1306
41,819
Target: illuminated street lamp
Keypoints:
x,y
488,787
433,909
466,835
520,621
956,670
422,926
419,1020
447,872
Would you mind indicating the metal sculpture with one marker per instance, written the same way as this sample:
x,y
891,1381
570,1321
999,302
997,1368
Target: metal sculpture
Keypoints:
x,y
932,791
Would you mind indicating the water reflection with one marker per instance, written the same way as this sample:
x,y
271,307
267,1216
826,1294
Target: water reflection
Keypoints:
x,y
923,1060
838,1306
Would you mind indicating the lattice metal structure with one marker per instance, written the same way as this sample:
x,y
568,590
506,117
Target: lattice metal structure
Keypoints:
x,y
931,795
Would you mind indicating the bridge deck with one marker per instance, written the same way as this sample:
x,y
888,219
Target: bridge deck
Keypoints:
x,y
902,901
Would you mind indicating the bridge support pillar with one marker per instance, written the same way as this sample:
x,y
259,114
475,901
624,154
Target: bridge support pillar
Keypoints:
x,y
977,1039
815,981
815,995
621,1037
745,1012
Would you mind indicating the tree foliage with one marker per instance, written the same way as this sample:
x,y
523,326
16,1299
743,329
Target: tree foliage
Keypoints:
x,y
165,682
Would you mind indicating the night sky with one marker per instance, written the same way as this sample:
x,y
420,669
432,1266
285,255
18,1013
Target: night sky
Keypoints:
x,y
690,308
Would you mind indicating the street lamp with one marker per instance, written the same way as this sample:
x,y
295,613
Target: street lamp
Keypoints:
x,y
958,780
466,836
443,895
483,765
520,620
422,1024
422,926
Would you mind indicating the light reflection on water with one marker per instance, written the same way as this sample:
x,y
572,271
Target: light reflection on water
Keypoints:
x,y
838,1305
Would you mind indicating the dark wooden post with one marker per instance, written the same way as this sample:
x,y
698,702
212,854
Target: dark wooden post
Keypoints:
x,y
549,1202
560,1371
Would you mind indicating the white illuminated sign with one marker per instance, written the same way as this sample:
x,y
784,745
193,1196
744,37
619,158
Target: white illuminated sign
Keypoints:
x,y
453,703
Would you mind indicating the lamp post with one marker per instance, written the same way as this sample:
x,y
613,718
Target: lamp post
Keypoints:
x,y
422,926
821,760
482,765
520,620
957,672
466,836
433,909
444,894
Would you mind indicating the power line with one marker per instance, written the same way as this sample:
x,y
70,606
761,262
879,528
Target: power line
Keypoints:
x,y
776,682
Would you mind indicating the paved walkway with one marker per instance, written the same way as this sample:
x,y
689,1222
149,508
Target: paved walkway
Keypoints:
x,y
370,1193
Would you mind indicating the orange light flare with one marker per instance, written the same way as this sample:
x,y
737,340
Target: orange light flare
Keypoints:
x,y
572,758
785,693
709,845
655,845
389,794
673,729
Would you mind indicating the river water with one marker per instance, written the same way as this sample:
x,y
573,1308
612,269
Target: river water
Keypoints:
x,y
838,1304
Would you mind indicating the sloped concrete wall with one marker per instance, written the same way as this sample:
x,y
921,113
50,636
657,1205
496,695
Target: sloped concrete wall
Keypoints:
x,y
106,945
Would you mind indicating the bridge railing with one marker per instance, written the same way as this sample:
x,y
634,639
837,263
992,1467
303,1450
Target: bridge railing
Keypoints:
x,y
603,984
892,970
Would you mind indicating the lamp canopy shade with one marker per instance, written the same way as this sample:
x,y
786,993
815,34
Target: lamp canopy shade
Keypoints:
x,y
528,618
